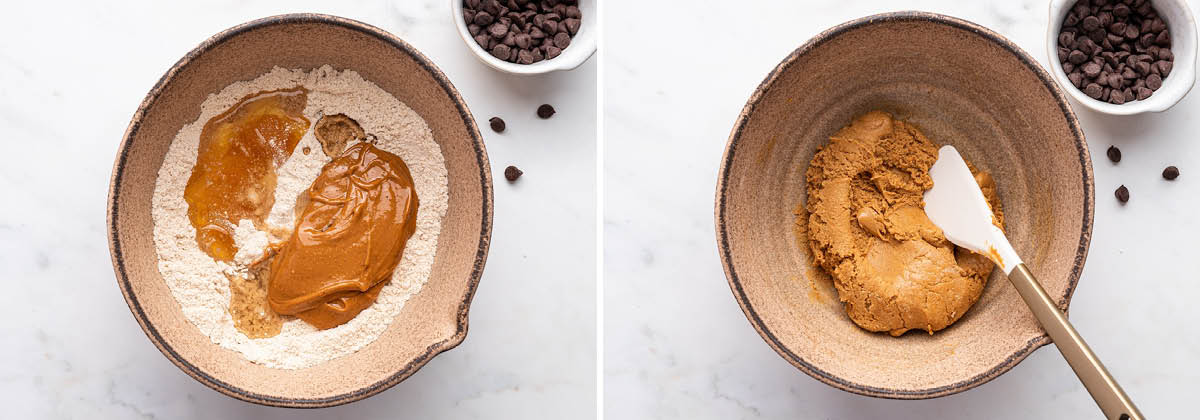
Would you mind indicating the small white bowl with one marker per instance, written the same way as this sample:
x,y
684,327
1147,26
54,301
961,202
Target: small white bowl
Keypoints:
x,y
583,45
1182,26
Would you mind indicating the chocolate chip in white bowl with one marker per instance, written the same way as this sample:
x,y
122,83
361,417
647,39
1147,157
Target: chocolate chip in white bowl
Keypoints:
x,y
530,30
1115,51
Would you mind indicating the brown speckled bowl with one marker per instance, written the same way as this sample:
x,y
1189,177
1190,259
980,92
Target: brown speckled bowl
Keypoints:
x,y
432,321
961,84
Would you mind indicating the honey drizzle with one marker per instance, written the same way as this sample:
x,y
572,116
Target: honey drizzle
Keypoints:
x,y
248,300
234,176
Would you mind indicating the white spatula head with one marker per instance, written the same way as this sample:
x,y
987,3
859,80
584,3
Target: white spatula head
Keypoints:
x,y
957,206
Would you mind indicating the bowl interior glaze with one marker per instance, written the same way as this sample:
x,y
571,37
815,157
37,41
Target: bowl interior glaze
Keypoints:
x,y
432,321
960,84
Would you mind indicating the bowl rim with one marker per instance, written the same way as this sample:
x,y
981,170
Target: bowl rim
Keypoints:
x,y
722,234
115,246
1164,98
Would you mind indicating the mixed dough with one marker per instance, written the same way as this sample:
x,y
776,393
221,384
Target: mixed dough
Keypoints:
x,y
893,268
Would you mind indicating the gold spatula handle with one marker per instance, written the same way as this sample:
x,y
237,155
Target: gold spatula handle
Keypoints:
x,y
1104,389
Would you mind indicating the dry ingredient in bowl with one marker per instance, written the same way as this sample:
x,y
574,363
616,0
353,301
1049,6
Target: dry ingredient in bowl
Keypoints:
x,y
523,31
1115,51
202,284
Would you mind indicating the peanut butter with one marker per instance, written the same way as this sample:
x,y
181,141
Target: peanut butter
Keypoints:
x,y
894,270
349,238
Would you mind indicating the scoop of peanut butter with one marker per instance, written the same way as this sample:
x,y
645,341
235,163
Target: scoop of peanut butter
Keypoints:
x,y
893,268
350,237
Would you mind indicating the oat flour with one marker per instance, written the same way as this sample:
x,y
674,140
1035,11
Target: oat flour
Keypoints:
x,y
197,281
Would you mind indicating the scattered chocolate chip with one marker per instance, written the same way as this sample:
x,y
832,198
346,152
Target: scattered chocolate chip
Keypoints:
x,y
1114,154
511,173
1122,193
1171,173
545,111
497,124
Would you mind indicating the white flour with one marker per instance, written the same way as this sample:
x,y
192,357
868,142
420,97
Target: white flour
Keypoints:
x,y
196,279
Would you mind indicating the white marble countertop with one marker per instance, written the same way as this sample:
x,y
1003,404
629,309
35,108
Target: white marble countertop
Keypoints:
x,y
74,73
678,346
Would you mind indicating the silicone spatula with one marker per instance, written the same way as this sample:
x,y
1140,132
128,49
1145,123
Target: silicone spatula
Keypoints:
x,y
957,206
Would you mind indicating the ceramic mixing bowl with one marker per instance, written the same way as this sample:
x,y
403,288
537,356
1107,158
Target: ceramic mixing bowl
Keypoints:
x,y
432,321
961,84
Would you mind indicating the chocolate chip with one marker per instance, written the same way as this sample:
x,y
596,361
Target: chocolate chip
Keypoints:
x,y
1143,93
1121,10
482,40
1132,32
1146,40
1142,67
1116,97
1163,39
1122,194
1157,25
528,31
1164,67
1076,78
524,41
1115,81
1116,51
1153,82
1171,173
511,173
562,40
501,51
1076,57
524,57
545,111
484,19
1114,154
1166,54
1066,40
497,30
491,6
497,124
